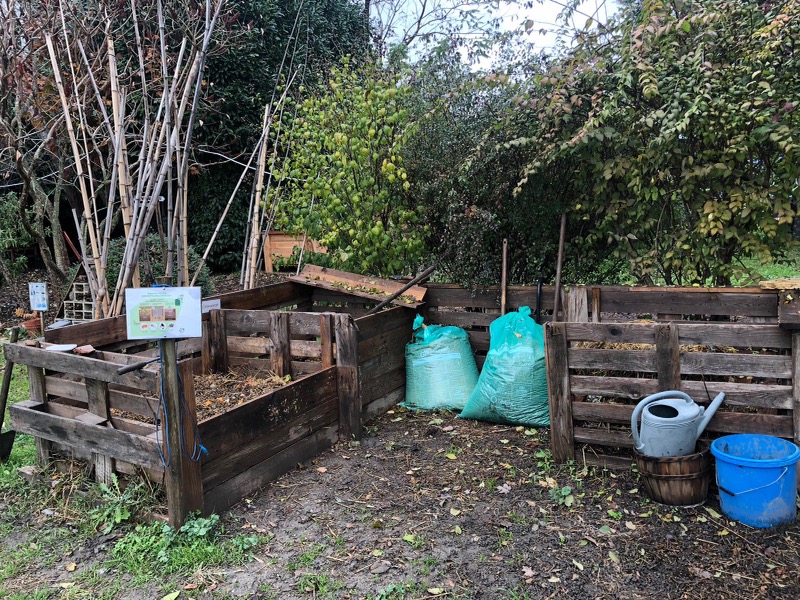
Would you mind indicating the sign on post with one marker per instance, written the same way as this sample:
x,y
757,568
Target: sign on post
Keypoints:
x,y
163,312
38,294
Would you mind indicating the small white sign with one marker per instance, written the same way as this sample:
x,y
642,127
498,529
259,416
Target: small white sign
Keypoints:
x,y
38,294
209,305
163,312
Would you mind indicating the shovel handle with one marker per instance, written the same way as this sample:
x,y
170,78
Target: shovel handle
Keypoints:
x,y
136,366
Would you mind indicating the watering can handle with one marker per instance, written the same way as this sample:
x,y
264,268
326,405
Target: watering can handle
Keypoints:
x,y
640,407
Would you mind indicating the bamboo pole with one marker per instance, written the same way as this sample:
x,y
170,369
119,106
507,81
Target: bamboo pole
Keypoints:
x,y
256,227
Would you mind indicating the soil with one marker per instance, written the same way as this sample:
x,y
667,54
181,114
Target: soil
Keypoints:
x,y
429,506
217,393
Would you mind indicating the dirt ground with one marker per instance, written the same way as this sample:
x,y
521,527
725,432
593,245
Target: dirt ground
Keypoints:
x,y
430,506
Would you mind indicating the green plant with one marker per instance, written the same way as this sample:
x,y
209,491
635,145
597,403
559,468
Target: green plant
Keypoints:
x,y
344,182
116,504
320,585
544,461
562,495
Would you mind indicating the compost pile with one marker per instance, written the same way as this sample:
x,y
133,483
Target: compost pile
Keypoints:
x,y
217,393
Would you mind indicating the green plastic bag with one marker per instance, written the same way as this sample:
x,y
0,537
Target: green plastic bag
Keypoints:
x,y
440,368
512,387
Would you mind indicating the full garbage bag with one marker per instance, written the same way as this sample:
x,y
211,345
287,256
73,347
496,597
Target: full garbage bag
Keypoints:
x,y
440,368
512,387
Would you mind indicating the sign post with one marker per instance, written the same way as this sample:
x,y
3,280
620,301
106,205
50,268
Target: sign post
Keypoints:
x,y
169,314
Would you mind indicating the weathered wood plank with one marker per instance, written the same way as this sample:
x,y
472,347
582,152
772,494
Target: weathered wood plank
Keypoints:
x,y
232,491
689,302
326,329
279,350
461,319
385,320
612,360
668,357
380,405
324,277
740,365
607,461
559,393
578,304
796,390
258,346
348,382
383,363
456,296
38,394
218,341
603,437
387,341
97,333
223,467
615,333
31,417
268,297
738,394
722,422
64,362
251,420
98,401
735,335
375,387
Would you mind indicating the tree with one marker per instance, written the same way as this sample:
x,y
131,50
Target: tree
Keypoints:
x,y
343,181
674,133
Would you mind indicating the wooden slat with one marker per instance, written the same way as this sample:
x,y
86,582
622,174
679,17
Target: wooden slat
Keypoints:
x,y
64,362
739,336
97,333
739,394
607,461
385,342
29,417
326,329
612,360
380,405
221,468
796,390
383,363
218,341
603,437
347,376
376,387
456,296
461,319
383,321
251,420
279,350
479,340
258,346
559,394
226,495
578,304
689,302
268,297
668,357
616,333
741,365
98,401
322,276
38,395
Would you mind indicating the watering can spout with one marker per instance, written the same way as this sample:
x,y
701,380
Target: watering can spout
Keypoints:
x,y
712,408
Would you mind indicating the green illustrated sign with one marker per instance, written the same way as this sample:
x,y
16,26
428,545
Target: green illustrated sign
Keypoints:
x,y
164,312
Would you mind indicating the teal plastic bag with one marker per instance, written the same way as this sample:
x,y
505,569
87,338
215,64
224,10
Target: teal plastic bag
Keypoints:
x,y
440,368
512,387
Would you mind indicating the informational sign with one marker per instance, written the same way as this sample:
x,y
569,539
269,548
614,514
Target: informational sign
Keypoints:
x,y
163,312
209,305
38,294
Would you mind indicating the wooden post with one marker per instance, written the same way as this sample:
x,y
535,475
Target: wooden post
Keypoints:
x,y
326,339
38,394
218,341
559,393
668,357
97,393
596,305
205,348
796,392
184,486
279,348
577,305
504,278
347,378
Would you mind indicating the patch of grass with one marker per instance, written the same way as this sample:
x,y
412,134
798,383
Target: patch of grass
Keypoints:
x,y
155,548
39,594
318,584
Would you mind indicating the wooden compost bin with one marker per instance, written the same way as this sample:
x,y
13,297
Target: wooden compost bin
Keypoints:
x,y
345,367
700,341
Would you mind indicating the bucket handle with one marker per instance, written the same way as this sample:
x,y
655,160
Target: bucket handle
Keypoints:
x,y
761,487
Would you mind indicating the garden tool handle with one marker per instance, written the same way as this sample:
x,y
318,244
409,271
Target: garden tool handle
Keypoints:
x,y
7,372
136,366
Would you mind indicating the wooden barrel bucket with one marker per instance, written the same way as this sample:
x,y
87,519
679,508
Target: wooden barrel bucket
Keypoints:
x,y
676,480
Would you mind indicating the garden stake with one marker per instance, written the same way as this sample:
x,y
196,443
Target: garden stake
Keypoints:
x,y
7,438
504,278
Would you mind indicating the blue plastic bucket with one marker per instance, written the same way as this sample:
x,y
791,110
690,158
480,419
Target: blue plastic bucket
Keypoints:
x,y
757,478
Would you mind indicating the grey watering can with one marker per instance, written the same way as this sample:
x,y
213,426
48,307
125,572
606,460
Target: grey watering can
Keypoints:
x,y
671,423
